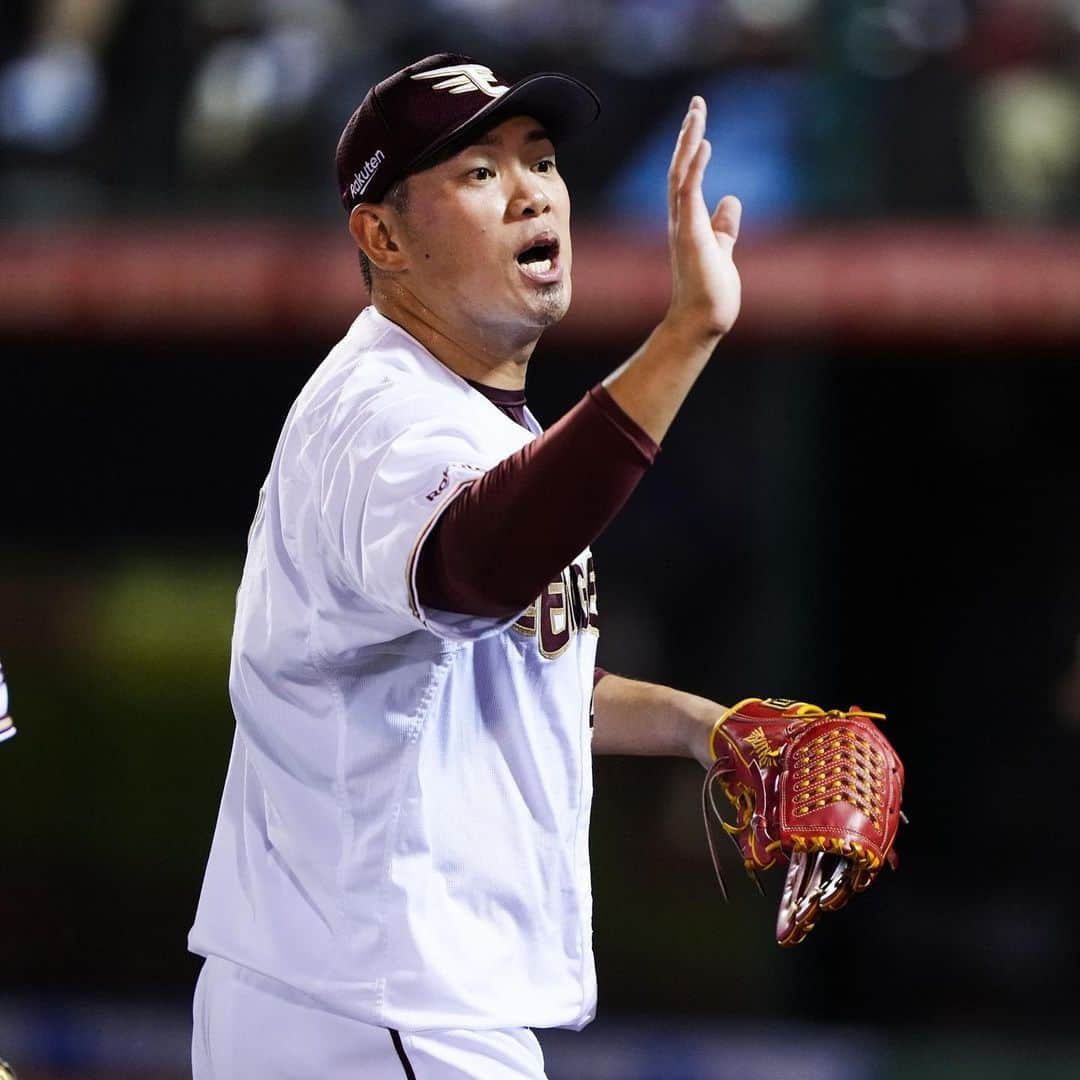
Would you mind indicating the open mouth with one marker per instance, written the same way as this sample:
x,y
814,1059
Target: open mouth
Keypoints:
x,y
541,257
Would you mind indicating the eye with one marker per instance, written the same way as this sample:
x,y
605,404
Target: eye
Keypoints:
x,y
481,172
545,165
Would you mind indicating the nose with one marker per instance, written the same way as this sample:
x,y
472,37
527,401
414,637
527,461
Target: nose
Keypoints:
x,y
529,198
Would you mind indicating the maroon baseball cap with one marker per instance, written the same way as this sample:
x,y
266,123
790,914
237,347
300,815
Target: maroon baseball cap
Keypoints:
x,y
408,118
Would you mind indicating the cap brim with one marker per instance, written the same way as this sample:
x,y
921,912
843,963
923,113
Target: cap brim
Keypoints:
x,y
562,104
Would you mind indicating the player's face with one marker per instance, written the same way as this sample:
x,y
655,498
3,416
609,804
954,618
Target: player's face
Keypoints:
x,y
488,231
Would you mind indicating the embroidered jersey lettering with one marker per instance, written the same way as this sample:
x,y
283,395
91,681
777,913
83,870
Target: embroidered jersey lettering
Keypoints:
x,y
567,607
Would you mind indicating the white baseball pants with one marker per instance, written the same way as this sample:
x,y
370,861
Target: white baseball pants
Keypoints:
x,y
249,1027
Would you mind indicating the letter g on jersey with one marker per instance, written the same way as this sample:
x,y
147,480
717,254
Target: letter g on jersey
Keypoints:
x,y
565,608
464,79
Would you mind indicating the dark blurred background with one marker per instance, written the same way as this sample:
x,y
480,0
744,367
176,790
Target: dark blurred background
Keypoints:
x,y
870,497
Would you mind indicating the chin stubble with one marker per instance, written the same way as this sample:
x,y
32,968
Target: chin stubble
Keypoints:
x,y
554,303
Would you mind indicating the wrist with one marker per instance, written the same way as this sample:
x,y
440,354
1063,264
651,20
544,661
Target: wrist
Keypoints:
x,y
700,723
687,335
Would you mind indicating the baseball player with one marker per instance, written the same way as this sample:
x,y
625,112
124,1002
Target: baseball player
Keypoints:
x,y
7,723
398,884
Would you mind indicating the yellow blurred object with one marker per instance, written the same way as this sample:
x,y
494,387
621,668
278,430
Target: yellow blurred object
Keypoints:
x,y
1024,146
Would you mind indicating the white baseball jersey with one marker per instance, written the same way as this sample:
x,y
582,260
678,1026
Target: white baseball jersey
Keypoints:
x,y
403,833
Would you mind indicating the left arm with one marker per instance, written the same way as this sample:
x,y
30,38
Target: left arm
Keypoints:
x,y
645,719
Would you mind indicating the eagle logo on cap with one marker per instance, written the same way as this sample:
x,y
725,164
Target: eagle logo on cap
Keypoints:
x,y
465,79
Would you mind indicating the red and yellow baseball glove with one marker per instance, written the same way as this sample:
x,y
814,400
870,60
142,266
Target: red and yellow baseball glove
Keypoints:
x,y
817,790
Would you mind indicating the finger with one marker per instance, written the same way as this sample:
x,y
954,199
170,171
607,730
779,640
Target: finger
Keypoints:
x,y
695,174
693,127
679,159
726,218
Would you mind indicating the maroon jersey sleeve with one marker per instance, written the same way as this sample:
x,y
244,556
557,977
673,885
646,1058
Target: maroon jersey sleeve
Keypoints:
x,y
510,532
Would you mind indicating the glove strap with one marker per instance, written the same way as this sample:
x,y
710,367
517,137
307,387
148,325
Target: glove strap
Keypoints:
x,y
713,740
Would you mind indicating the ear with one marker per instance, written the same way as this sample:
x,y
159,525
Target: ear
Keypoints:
x,y
375,229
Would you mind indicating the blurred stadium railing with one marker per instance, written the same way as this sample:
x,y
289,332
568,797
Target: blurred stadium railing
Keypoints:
x,y
895,285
